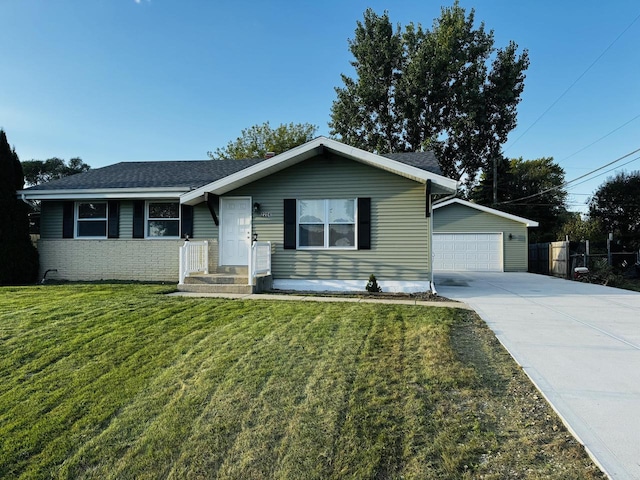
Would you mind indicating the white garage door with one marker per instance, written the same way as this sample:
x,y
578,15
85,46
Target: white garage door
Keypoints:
x,y
467,252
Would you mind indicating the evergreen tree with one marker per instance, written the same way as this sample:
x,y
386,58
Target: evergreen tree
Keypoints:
x,y
18,256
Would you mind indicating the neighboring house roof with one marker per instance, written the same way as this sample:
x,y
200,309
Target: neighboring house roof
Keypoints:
x,y
482,208
192,179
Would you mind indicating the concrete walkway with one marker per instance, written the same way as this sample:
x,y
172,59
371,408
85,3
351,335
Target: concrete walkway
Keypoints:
x,y
579,343
316,298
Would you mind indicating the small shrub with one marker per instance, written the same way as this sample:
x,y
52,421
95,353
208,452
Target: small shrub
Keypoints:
x,y
372,284
605,272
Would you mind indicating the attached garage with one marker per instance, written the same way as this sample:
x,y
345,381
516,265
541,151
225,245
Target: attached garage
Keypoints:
x,y
473,238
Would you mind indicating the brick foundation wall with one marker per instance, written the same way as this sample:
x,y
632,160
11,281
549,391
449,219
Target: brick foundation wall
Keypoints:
x,y
142,260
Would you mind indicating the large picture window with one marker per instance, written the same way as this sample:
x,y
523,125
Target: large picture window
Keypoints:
x,y
163,220
91,220
327,223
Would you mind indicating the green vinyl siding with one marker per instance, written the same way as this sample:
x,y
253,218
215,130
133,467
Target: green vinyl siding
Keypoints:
x,y
456,218
399,229
204,227
51,219
126,219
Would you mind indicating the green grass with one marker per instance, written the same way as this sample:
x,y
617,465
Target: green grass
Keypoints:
x,y
118,381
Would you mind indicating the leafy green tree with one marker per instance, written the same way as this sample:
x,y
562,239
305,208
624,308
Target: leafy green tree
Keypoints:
x,y
39,171
541,179
616,205
447,89
19,258
578,229
258,140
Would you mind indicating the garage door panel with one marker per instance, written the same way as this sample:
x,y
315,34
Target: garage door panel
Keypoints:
x,y
472,252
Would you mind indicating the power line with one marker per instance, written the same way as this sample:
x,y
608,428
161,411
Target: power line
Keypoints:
x,y
565,184
572,85
604,173
601,138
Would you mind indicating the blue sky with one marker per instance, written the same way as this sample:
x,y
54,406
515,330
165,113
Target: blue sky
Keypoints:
x,y
121,80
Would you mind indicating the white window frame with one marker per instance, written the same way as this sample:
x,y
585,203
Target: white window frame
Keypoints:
x,y
77,220
327,224
147,219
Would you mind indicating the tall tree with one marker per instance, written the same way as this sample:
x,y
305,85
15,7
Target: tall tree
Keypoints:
x,y
616,205
258,140
518,179
448,89
39,171
18,256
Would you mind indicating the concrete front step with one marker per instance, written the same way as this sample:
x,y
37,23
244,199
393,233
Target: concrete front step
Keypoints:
x,y
215,288
216,279
233,270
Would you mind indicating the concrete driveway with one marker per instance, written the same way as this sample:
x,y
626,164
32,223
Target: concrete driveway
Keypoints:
x,y
579,343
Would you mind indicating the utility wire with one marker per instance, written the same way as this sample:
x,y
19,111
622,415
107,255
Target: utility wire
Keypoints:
x,y
572,85
601,138
604,173
565,184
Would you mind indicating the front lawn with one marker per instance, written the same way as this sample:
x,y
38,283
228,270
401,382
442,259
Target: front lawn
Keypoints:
x,y
119,381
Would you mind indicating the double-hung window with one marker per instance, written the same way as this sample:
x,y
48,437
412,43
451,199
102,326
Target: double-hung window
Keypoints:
x,y
91,220
327,223
163,220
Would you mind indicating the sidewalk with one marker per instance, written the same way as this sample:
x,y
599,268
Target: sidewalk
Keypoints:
x,y
317,298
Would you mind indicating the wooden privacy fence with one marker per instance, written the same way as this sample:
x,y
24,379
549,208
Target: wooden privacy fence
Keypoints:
x,y
550,259
559,259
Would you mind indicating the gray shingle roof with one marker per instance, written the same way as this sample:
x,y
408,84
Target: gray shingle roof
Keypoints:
x,y
183,173
423,160
189,174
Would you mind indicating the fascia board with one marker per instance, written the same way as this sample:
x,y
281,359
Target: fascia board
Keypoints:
x,y
102,193
482,208
308,150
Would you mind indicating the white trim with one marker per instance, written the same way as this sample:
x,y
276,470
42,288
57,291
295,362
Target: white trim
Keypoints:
x,y
482,208
77,219
221,231
172,193
327,224
309,150
146,219
393,286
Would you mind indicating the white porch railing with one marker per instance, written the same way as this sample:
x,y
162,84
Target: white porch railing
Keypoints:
x,y
194,257
259,260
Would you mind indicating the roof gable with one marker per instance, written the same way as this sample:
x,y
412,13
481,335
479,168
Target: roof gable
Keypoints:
x,y
317,147
482,208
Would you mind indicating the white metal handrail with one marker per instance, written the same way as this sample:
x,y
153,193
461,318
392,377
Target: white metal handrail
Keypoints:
x,y
194,257
260,260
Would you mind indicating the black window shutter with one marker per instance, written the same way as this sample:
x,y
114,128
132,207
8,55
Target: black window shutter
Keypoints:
x,y
138,219
187,221
113,229
364,224
290,223
67,220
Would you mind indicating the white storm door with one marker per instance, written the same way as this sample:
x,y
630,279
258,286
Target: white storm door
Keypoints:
x,y
235,234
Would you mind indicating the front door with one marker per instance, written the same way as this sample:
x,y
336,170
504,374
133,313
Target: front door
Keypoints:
x,y
235,234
